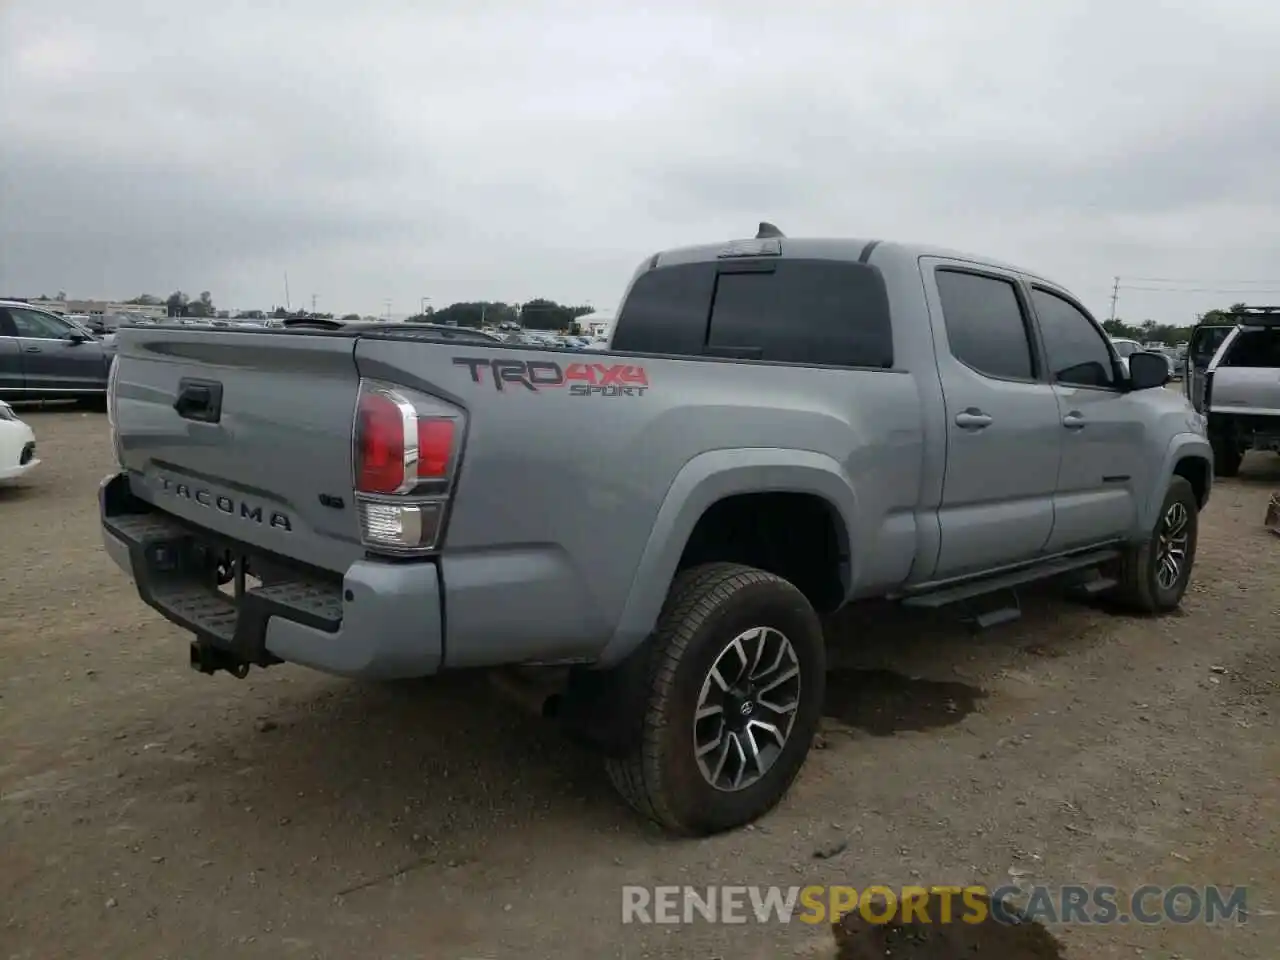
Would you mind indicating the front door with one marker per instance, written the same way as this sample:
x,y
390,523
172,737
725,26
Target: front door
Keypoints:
x,y
1003,440
1102,425
52,359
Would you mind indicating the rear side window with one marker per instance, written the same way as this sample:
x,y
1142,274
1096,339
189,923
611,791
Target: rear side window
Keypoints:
x,y
1254,348
825,312
985,323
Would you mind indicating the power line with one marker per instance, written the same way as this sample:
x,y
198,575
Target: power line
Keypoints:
x,y
1125,286
1185,280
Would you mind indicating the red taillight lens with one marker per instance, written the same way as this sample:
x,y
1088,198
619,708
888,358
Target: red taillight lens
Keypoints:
x,y
380,442
435,448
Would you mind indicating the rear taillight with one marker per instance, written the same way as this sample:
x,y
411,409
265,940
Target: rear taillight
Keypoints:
x,y
406,447
112,378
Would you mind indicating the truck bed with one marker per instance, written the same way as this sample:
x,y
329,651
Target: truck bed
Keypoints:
x,y
568,460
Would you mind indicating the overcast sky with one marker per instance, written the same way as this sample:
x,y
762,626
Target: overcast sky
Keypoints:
x,y
507,149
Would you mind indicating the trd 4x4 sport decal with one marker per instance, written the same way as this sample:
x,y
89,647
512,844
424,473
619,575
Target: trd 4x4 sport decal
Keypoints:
x,y
582,379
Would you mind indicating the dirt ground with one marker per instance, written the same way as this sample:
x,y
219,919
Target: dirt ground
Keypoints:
x,y
147,811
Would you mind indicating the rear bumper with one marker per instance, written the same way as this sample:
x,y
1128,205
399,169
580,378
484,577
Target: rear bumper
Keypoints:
x,y
378,621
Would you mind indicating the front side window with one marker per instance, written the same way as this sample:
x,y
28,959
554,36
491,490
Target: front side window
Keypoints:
x,y
1078,352
38,326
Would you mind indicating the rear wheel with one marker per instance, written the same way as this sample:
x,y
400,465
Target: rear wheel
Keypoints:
x,y
736,682
1154,574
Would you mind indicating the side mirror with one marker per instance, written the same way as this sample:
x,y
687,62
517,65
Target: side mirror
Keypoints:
x,y
78,336
1147,370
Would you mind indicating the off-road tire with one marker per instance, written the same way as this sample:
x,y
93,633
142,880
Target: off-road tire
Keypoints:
x,y
1138,589
706,608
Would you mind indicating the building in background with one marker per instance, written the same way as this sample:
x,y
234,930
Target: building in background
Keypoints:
x,y
99,308
598,324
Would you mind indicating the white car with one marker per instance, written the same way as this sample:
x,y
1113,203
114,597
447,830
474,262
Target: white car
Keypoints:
x,y
17,445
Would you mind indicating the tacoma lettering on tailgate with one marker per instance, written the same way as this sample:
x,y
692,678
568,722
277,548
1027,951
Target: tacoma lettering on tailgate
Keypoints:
x,y
224,504
581,379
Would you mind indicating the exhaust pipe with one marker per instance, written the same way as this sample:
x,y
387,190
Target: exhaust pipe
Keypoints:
x,y
542,699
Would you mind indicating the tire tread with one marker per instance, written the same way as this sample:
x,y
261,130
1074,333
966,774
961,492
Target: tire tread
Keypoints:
x,y
695,595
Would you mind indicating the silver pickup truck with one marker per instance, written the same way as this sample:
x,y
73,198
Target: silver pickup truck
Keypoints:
x,y
779,427
1234,380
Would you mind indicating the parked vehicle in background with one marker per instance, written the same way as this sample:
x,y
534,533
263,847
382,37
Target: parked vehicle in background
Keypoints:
x,y
779,427
17,446
1239,387
1206,338
1125,349
44,356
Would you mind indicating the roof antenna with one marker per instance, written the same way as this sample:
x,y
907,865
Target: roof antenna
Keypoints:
x,y
768,231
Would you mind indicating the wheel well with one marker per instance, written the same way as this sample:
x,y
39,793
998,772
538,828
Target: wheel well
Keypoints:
x,y
797,536
1196,472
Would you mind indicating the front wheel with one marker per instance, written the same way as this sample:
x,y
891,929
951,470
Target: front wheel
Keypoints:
x,y
736,683
1154,574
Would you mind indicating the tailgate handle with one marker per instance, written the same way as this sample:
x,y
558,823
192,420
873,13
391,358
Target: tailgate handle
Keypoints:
x,y
199,400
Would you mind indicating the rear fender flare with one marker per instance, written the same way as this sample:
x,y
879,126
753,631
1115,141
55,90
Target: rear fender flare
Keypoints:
x,y
704,480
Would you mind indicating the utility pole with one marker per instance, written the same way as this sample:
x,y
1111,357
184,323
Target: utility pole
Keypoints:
x,y
287,304
313,304
1115,295
422,305
387,301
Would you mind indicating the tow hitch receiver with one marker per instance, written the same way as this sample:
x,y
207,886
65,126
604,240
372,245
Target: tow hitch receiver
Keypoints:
x,y
206,658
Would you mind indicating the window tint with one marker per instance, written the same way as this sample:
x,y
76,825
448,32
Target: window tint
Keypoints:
x,y
40,326
1205,343
1254,348
1125,348
1078,351
826,312
985,324
666,310
792,311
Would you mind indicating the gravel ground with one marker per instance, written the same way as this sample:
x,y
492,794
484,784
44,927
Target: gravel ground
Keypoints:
x,y
147,811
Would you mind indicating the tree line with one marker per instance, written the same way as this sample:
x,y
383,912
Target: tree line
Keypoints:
x,y
536,314
1166,333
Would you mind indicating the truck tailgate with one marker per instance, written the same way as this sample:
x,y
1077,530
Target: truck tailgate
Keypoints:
x,y
260,448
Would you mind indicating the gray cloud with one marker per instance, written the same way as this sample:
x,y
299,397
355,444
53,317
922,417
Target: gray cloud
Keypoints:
x,y
511,150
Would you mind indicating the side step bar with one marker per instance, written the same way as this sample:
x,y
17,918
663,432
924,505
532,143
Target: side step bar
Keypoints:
x,y
969,589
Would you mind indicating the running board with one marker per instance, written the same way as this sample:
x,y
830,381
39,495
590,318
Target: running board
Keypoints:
x,y
1005,581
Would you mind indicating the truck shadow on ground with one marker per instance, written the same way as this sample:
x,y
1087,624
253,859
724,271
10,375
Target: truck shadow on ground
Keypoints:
x,y
360,784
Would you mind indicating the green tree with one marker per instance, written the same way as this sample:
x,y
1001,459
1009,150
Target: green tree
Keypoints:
x,y
176,304
351,318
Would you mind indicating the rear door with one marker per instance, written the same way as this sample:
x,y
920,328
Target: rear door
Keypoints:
x,y
1247,377
51,359
1003,437
1101,425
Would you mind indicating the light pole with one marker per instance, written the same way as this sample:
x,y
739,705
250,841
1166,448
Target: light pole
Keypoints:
x,y
422,306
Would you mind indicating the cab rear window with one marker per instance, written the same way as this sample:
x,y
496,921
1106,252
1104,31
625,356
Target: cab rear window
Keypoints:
x,y
823,312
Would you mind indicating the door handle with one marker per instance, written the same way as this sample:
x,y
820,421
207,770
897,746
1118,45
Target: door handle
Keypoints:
x,y
973,419
1073,421
31,349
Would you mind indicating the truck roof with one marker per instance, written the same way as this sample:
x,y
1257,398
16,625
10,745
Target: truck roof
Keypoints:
x,y
839,248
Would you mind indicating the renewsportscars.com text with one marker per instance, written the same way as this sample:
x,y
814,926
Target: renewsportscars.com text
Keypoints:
x,y
1149,904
